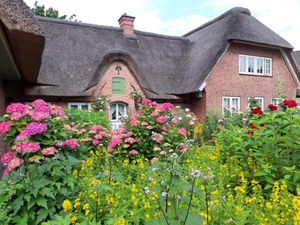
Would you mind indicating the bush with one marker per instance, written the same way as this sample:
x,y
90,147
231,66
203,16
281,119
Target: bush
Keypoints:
x,y
268,149
88,118
155,131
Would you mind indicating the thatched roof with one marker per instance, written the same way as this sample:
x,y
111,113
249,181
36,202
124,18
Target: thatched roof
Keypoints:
x,y
24,35
77,54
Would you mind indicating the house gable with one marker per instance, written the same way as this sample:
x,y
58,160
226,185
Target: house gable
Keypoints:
x,y
105,87
225,79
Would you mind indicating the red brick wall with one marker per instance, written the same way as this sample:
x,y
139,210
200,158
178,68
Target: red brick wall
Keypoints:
x,y
225,79
104,86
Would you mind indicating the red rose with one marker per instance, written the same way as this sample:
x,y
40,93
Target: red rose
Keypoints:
x,y
250,133
272,107
289,103
257,111
253,127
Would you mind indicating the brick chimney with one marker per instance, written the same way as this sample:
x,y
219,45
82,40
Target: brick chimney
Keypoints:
x,y
127,24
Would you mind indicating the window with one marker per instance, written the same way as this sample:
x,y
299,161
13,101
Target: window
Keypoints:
x,y
230,105
117,111
259,101
118,85
255,65
79,105
276,101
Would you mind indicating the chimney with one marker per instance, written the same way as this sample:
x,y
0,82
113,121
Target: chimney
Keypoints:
x,y
127,24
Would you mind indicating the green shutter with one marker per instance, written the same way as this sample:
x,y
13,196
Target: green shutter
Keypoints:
x,y
118,85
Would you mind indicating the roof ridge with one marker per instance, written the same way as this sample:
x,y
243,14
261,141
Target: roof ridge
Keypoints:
x,y
144,33
81,24
233,10
150,34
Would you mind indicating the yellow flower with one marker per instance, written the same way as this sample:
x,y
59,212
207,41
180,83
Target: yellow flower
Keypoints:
x,y
120,221
110,199
86,208
67,205
77,203
73,219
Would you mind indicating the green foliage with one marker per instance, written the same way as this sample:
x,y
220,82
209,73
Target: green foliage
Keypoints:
x,y
101,103
268,149
213,122
40,10
35,193
87,118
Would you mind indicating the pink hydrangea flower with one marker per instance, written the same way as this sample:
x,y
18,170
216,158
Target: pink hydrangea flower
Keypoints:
x,y
96,128
4,128
166,106
133,152
56,110
182,131
146,101
14,163
114,142
38,102
144,123
157,137
154,113
24,146
95,142
133,122
161,119
49,151
16,108
7,157
130,140
71,143
31,129
41,112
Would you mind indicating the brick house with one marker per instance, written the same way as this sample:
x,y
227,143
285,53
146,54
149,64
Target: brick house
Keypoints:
x,y
217,66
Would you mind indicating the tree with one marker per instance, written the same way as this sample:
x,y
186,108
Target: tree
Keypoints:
x,y
40,10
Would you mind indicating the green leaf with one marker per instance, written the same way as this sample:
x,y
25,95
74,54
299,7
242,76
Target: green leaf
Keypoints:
x,y
42,202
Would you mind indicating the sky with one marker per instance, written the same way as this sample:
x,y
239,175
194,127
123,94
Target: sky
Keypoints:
x,y
177,17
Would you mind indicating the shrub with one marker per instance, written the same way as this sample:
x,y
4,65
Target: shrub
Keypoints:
x,y
268,149
155,131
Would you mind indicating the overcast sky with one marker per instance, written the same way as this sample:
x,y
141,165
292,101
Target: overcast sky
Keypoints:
x,y
177,17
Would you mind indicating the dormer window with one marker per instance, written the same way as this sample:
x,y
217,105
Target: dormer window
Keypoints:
x,y
254,65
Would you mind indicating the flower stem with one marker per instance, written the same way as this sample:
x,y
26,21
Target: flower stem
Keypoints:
x,y
206,200
165,217
190,202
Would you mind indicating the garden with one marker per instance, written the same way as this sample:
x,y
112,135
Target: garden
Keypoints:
x,y
164,166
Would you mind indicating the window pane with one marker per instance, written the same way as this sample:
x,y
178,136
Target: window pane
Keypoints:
x,y
243,63
259,65
74,106
226,105
85,106
235,105
113,112
268,66
250,64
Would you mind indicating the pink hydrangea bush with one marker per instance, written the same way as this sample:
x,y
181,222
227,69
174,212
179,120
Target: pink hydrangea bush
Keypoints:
x,y
155,131
32,131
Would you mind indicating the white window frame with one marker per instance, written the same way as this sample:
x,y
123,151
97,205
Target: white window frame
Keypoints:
x,y
231,98
79,105
247,57
274,100
262,102
118,121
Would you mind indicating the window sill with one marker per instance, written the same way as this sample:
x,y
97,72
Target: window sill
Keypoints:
x,y
255,74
